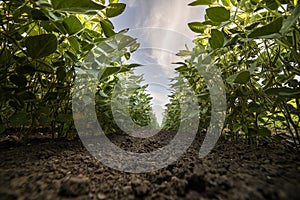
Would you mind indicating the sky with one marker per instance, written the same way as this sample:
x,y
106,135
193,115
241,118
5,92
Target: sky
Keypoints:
x,y
160,26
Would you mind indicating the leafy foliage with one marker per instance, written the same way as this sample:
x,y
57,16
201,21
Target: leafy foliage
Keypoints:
x,y
42,44
255,45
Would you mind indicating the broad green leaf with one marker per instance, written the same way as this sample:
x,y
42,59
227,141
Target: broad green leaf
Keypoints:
x,y
284,91
19,80
107,28
41,45
45,68
200,2
218,14
76,6
109,71
197,27
217,39
291,20
115,9
271,4
269,29
242,77
61,74
72,25
74,43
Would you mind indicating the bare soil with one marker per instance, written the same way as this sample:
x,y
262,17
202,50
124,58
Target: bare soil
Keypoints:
x,y
44,169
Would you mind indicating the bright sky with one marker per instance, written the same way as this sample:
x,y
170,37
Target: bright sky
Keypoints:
x,y
161,28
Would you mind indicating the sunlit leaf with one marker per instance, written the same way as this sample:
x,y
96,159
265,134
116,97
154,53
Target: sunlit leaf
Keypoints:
x,y
200,2
115,9
76,6
72,24
197,27
218,14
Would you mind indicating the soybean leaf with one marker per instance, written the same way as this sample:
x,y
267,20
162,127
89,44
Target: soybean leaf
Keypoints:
x,y
40,46
284,91
269,29
197,27
217,39
291,20
200,2
115,9
72,24
218,14
242,78
107,28
61,74
76,6
109,71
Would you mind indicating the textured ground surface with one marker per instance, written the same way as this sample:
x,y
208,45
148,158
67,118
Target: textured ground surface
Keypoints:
x,y
65,170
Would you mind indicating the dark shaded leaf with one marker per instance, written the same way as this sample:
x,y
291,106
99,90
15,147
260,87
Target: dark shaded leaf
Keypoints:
x,y
19,80
284,91
271,28
41,45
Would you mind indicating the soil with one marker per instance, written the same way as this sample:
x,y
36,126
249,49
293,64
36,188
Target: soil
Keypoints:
x,y
44,169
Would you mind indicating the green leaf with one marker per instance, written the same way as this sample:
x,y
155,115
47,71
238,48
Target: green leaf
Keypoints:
x,y
291,20
200,2
197,27
242,78
115,9
72,24
109,71
269,29
74,43
76,6
273,5
61,74
107,28
218,14
217,39
19,80
284,91
41,45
